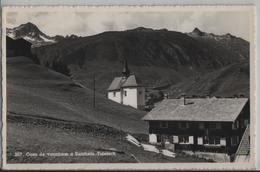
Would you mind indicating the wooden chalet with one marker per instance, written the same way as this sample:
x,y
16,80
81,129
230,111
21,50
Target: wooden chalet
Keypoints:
x,y
199,124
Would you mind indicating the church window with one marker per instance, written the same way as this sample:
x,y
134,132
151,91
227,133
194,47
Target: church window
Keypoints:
x,y
114,93
125,93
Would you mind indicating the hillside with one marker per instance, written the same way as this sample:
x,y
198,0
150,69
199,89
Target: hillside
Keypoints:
x,y
229,81
49,114
83,140
162,59
36,91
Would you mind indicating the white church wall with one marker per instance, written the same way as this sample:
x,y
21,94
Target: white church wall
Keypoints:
x,y
131,97
115,96
141,97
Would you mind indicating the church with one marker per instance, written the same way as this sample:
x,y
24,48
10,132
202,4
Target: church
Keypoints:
x,y
127,90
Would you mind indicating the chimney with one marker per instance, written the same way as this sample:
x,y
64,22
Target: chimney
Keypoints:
x,y
184,98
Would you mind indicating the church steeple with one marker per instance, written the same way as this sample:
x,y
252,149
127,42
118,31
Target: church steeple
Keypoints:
x,y
126,71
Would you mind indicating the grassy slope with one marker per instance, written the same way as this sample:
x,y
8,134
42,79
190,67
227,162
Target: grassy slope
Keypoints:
x,y
50,136
226,82
37,91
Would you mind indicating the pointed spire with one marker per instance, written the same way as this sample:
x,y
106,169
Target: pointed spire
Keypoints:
x,y
126,71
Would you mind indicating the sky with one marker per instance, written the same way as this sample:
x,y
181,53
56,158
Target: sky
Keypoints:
x,y
90,23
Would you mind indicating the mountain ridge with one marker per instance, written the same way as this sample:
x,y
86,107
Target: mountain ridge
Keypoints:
x,y
34,35
161,58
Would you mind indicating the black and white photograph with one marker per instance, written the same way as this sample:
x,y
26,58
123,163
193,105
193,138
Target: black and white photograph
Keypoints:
x,y
128,85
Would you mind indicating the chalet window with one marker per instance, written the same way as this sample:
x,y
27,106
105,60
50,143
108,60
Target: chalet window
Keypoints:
x,y
184,139
215,126
206,140
163,124
183,125
214,140
234,140
114,94
212,126
125,93
201,126
211,141
166,140
235,125
217,140
246,122
218,126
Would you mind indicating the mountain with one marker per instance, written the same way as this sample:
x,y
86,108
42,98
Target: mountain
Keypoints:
x,y
31,33
164,60
34,35
235,44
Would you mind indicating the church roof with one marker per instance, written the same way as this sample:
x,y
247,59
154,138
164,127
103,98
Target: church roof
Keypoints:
x,y
120,82
130,82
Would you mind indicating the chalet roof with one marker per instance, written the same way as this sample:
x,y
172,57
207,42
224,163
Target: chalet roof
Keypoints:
x,y
120,82
244,147
197,109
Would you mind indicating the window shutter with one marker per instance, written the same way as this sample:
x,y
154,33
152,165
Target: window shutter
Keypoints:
x,y
200,141
175,139
191,141
223,141
152,138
